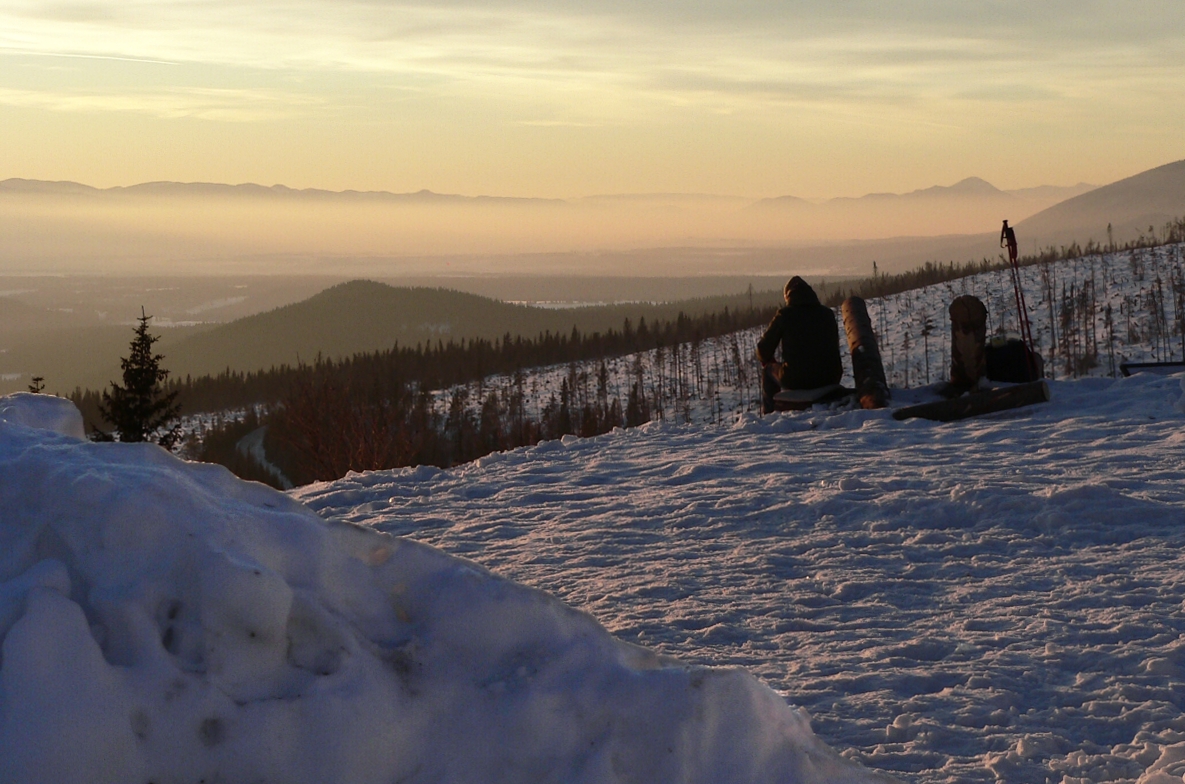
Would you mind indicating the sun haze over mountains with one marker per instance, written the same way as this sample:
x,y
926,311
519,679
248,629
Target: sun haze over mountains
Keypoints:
x,y
532,99
517,135
208,228
203,227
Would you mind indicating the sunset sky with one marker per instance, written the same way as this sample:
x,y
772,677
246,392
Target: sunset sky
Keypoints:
x,y
562,99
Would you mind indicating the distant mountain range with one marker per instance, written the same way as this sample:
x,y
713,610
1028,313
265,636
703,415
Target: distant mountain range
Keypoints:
x,y
210,228
1130,206
969,188
166,189
966,207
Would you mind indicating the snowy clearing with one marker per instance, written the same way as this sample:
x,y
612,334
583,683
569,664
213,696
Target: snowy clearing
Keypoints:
x,y
994,599
1089,315
162,621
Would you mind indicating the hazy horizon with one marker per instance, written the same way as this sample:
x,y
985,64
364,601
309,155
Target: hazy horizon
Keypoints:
x,y
1041,192
220,229
602,129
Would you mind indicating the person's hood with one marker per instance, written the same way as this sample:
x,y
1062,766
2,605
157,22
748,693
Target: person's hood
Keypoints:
x,y
798,293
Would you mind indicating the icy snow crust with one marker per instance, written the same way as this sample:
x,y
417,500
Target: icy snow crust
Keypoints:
x,y
163,621
993,599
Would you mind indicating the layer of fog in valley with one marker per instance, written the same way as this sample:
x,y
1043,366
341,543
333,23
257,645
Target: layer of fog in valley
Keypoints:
x,y
222,229
203,228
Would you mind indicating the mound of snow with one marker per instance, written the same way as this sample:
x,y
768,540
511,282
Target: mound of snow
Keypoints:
x,y
44,412
163,621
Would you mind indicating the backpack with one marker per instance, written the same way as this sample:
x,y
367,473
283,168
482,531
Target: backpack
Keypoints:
x,y
1010,360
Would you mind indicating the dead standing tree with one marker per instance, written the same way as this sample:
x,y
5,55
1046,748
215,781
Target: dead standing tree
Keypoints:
x,y
331,426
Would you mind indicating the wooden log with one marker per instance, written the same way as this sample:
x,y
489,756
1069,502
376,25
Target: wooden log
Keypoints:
x,y
978,403
871,388
1160,368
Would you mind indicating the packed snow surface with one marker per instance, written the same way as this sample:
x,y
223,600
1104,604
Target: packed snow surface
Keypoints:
x,y
994,599
162,621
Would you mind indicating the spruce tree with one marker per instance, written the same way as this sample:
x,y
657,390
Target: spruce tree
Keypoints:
x,y
140,407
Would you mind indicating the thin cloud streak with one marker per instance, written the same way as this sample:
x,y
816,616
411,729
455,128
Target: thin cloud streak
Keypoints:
x,y
222,105
75,56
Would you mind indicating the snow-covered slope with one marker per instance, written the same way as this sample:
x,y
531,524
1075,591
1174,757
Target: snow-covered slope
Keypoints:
x,y
1067,301
1000,599
164,622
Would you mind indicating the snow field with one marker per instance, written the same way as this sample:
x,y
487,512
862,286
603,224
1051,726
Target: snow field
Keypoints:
x,y
717,380
999,599
163,621
1143,287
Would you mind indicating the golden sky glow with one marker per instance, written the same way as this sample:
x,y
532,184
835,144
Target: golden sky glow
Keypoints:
x,y
566,99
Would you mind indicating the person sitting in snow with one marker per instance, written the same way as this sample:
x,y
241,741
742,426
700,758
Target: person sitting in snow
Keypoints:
x,y
807,331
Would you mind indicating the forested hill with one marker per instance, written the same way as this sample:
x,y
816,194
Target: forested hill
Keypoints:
x,y
364,316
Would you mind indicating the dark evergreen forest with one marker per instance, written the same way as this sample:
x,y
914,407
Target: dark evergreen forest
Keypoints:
x,y
374,410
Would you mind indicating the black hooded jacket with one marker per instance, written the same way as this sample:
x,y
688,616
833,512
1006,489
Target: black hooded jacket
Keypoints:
x,y
809,337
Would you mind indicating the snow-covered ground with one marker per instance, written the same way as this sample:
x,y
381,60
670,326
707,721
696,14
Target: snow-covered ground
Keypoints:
x,y
162,621
994,599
